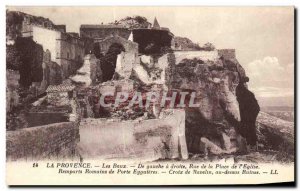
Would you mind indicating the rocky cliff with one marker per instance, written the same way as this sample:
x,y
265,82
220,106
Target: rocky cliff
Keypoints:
x,y
225,120
277,136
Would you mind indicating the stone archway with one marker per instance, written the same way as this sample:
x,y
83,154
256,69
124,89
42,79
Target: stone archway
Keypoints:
x,y
107,51
108,60
106,43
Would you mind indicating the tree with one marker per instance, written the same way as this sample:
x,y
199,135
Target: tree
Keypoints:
x,y
12,58
29,58
209,46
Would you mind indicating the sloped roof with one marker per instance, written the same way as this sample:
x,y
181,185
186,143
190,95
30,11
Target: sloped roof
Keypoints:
x,y
60,88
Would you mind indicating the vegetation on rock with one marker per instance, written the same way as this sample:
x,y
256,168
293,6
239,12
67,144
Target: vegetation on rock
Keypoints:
x,y
133,22
26,56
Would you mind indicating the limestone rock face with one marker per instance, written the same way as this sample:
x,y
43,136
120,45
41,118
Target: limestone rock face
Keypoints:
x,y
228,110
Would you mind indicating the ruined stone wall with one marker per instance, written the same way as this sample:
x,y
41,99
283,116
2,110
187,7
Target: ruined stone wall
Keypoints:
x,y
45,118
26,29
139,140
88,45
61,28
152,69
203,55
90,73
96,73
58,98
227,53
69,53
66,50
125,63
102,32
46,38
112,86
54,141
54,72
129,46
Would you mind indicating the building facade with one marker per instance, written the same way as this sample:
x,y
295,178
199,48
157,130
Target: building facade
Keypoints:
x,y
66,50
100,32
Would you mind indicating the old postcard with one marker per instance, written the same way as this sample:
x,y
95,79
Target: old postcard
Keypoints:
x,y
149,95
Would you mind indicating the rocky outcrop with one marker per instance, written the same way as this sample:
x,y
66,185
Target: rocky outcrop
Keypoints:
x,y
225,120
276,135
249,110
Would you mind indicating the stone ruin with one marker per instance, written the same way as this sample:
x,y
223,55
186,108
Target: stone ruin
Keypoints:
x,y
223,123
218,126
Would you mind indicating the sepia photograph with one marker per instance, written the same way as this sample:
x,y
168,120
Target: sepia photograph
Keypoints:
x,y
150,95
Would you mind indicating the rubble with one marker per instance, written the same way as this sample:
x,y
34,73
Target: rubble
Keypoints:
x,y
134,139
89,73
118,58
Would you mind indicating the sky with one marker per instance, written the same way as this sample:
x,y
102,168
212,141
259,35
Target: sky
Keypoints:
x,y
262,36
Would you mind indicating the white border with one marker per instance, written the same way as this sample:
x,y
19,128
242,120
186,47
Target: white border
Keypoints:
x,y
105,3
